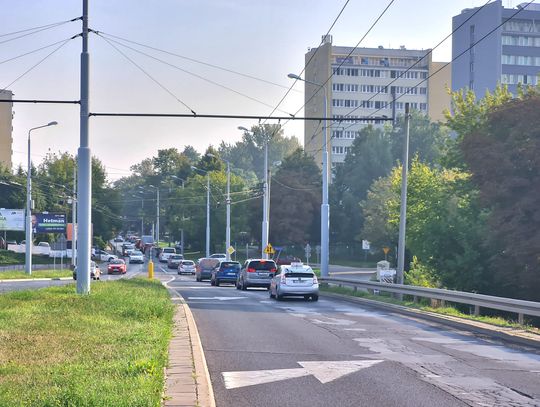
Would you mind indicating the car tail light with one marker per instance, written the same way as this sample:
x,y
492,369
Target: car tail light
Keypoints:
x,y
251,270
315,280
283,279
273,270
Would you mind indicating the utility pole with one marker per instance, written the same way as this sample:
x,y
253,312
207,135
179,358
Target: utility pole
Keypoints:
x,y
28,245
264,239
74,220
207,214
403,206
157,216
228,228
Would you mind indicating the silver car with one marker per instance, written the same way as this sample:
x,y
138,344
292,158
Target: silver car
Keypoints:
x,y
256,273
186,266
295,280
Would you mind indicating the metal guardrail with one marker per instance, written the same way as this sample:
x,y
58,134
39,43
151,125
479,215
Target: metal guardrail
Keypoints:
x,y
22,267
520,307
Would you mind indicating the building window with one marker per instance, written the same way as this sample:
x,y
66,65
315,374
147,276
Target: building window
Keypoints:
x,y
423,91
423,106
528,26
338,150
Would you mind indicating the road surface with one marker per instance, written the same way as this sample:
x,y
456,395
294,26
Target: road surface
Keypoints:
x,y
262,352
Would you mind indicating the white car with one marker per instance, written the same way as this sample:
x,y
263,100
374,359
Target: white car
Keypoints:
x,y
186,266
220,256
136,256
102,255
294,280
166,252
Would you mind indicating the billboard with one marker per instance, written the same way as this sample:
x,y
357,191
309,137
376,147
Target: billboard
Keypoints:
x,y
49,222
12,219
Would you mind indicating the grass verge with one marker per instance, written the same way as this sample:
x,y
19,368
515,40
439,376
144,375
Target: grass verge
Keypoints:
x,y
385,297
19,274
8,258
105,349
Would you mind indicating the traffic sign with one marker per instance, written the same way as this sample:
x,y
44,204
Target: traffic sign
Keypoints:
x,y
365,245
385,250
269,249
230,250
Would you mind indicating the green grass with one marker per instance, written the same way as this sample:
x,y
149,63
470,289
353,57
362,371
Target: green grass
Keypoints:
x,y
385,297
8,258
14,274
105,349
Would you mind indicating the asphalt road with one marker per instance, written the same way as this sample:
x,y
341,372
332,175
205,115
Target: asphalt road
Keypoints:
x,y
262,352
132,271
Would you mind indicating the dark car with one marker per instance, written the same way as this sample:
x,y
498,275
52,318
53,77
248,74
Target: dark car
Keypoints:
x,y
225,272
174,261
205,266
256,273
95,272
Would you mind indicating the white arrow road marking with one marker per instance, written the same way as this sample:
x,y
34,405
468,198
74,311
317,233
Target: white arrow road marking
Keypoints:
x,y
323,371
217,298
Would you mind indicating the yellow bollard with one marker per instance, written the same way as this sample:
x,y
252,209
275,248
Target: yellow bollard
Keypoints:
x,y
150,270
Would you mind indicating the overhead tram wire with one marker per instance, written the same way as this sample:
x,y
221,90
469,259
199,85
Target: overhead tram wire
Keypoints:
x,y
38,63
350,53
464,51
150,77
35,30
427,54
448,63
193,60
188,72
33,51
309,61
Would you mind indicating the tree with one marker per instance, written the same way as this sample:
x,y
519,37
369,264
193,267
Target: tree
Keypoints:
x,y
295,200
503,154
445,224
248,154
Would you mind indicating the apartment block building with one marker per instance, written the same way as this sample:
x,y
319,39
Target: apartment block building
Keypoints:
x,y
367,82
6,128
509,55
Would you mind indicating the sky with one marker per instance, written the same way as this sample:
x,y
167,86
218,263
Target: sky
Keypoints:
x,y
263,38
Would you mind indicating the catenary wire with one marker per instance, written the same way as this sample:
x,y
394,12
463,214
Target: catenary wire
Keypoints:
x,y
38,63
308,62
34,30
188,72
33,51
194,60
150,76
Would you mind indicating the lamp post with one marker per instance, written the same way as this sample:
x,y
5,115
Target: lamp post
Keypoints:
x,y
228,227
28,245
265,221
325,207
157,214
207,209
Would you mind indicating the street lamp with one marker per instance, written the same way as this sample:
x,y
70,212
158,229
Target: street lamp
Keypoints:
x,y
228,227
28,246
179,179
157,213
207,208
266,195
325,207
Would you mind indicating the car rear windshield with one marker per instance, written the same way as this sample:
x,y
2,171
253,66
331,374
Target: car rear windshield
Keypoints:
x,y
188,263
262,265
169,250
177,257
295,274
230,265
208,263
117,261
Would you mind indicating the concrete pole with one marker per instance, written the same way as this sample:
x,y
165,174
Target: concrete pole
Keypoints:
x,y
228,229
84,182
157,216
325,207
403,206
28,246
264,239
182,241
74,220
207,214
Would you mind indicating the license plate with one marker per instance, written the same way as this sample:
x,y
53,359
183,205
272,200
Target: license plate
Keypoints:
x,y
231,274
263,274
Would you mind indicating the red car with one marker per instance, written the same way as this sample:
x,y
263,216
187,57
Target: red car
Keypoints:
x,y
117,266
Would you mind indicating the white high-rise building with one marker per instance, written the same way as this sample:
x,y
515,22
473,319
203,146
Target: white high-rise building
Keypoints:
x,y
360,87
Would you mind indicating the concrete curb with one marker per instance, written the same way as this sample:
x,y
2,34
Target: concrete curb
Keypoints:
x,y
22,280
187,376
510,335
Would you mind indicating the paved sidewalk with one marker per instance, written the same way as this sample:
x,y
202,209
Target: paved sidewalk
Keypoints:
x,y
187,378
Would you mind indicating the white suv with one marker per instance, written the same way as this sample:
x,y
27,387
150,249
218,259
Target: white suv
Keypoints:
x,y
166,252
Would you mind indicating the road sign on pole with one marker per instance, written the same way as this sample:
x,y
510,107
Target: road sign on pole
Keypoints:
x,y
307,250
230,250
269,249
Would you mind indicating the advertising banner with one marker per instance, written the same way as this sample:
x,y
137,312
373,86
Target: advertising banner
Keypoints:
x,y
12,219
49,222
